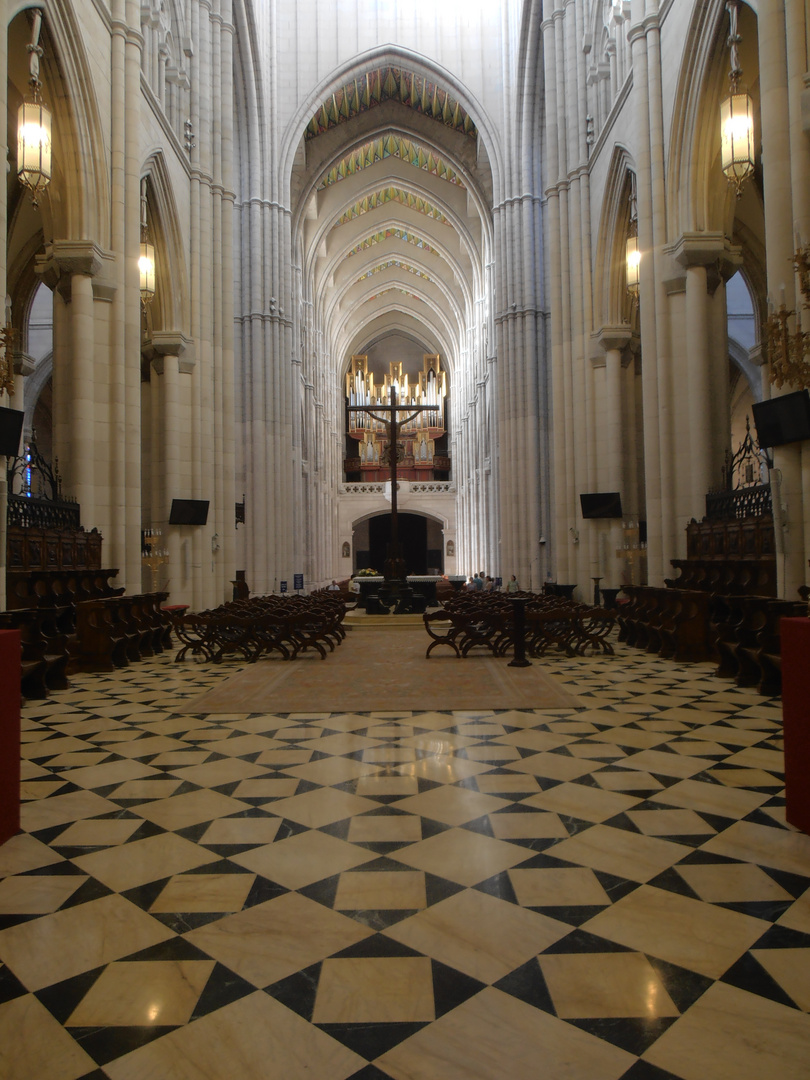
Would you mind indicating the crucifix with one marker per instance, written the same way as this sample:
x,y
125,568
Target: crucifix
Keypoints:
x,y
394,565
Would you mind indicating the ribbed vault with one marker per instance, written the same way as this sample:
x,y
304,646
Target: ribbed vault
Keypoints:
x,y
393,217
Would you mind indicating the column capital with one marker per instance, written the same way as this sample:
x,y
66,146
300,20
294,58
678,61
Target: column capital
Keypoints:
x,y
757,355
71,257
713,250
614,337
165,343
64,258
706,249
171,343
23,363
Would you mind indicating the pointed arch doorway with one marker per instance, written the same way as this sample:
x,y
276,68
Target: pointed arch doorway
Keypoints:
x,y
420,538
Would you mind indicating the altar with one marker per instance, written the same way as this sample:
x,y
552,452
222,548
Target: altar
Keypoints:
x,y
422,585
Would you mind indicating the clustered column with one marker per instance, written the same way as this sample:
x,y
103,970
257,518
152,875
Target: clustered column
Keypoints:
x,y
785,163
520,338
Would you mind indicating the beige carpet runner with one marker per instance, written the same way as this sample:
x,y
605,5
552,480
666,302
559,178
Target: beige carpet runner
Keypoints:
x,y
383,668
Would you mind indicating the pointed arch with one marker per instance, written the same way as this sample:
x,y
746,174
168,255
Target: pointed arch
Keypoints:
x,y
397,56
171,306
78,206
610,281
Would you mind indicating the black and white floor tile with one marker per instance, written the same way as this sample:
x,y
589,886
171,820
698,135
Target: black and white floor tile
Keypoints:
x,y
594,894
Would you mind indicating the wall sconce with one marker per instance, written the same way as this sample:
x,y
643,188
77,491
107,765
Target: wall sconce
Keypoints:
x,y
146,261
34,126
736,116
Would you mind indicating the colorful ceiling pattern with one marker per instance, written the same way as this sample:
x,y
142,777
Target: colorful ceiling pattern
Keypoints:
x,y
402,292
400,234
395,262
392,194
390,146
390,84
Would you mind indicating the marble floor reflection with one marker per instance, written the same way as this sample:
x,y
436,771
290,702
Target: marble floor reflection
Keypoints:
x,y
592,894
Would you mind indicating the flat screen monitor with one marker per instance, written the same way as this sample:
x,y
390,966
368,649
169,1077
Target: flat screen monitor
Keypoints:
x,y
601,504
189,512
11,422
784,419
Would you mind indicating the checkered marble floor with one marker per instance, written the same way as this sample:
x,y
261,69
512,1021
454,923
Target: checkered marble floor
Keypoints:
x,y
605,893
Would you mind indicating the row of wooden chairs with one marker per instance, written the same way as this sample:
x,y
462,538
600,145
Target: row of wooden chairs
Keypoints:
x,y
47,636
739,633
58,588
116,631
262,625
673,623
732,577
91,635
487,620
747,638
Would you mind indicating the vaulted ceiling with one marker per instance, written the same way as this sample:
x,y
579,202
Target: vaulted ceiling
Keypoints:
x,y
393,217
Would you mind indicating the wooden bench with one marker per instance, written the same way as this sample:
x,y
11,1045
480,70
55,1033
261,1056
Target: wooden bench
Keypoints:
x,y
261,625
486,621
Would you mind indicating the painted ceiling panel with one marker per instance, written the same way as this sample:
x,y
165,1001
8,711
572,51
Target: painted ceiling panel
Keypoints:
x,y
401,234
400,264
390,84
390,146
392,194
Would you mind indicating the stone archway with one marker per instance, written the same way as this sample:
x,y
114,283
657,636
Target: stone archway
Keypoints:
x,y
421,537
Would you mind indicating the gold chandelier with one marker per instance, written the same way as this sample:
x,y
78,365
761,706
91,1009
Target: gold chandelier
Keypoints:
x,y
787,349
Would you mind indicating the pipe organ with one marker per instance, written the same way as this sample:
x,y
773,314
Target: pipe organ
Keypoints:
x,y
422,452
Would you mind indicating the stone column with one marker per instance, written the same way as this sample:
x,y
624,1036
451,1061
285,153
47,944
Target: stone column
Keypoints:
x,y
777,168
615,341
707,259
226,301
657,375
554,233
68,268
172,362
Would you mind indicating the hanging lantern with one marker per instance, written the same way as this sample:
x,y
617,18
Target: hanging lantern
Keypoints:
x,y
633,264
146,268
736,116
146,260
34,125
737,138
34,147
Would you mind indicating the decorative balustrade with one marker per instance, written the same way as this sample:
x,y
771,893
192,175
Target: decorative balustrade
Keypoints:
x,y
30,512
416,487
750,502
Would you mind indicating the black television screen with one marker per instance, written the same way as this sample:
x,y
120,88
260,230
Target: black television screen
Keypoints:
x,y
601,504
189,512
784,419
11,422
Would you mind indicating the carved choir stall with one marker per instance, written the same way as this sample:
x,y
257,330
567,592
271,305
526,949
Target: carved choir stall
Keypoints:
x,y
60,597
723,605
